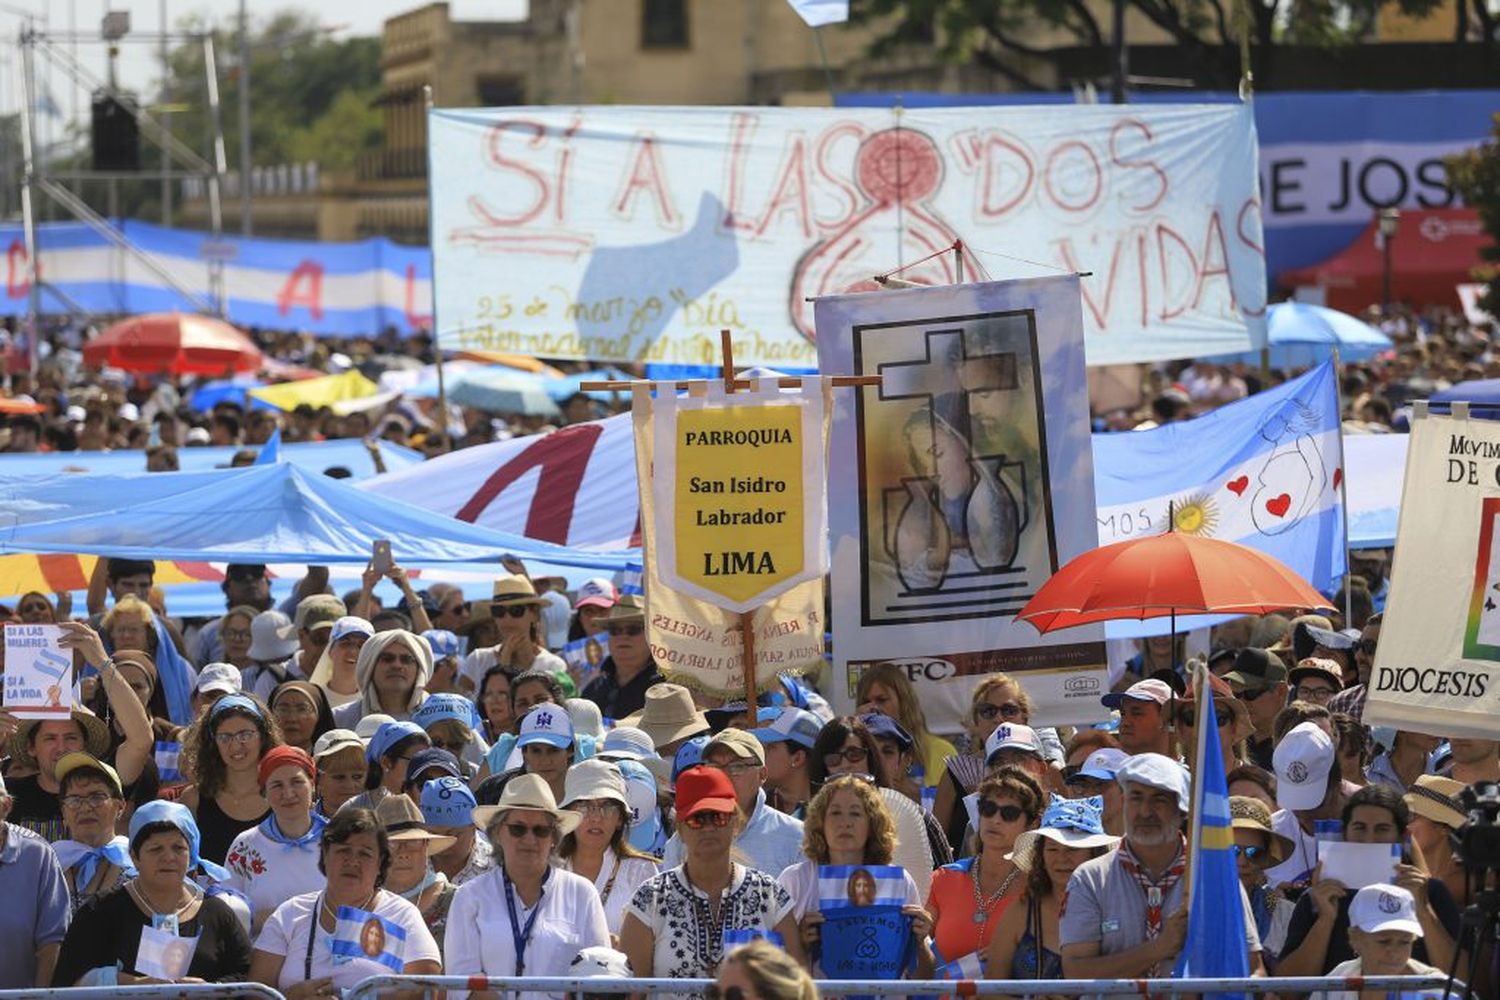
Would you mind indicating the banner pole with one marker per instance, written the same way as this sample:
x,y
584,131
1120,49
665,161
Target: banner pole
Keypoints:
x,y
747,618
1338,389
1195,822
437,345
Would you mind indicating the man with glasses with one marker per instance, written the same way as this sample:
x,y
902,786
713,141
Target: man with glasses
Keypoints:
x,y
771,840
1096,776
1351,700
314,619
1259,680
1315,680
628,670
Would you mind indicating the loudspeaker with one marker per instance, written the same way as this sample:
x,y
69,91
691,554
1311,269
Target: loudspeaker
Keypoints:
x,y
116,135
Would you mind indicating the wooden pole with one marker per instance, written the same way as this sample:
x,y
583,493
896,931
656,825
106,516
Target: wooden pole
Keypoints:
x,y
747,618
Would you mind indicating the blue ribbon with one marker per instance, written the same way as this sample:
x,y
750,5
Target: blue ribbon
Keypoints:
x,y
70,854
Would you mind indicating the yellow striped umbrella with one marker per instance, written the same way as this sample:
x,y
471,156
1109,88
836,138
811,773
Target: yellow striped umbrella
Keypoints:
x,y
49,574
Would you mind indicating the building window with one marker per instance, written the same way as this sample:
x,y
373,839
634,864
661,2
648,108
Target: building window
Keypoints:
x,y
499,91
664,24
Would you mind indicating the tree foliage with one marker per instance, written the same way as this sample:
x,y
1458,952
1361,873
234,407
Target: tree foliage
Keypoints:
x,y
1475,175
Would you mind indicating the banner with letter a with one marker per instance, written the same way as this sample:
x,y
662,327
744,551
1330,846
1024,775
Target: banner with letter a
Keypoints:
x,y
1437,668
638,233
957,487
734,517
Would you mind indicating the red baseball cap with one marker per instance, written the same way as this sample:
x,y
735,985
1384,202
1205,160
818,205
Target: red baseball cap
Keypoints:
x,y
704,789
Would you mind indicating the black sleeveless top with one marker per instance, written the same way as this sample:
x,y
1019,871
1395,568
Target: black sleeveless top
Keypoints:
x,y
217,830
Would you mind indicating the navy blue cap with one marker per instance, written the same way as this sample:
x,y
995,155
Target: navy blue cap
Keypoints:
x,y
885,727
429,759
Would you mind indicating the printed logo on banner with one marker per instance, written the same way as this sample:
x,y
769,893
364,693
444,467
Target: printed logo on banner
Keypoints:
x,y
954,519
1482,633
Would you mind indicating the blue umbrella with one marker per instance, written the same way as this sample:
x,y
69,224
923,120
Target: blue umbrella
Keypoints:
x,y
1302,335
561,387
1480,392
503,390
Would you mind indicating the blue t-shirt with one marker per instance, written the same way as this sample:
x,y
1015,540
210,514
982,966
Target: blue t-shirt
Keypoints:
x,y
36,912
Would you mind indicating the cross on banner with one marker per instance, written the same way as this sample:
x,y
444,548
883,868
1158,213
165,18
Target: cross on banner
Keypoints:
x,y
947,376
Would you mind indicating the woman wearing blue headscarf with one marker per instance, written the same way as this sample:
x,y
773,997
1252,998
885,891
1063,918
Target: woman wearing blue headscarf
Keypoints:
x,y
159,926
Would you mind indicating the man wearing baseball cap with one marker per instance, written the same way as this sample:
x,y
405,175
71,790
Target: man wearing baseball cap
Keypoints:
x,y
1309,788
1096,776
1143,717
788,735
1259,679
772,840
314,620
1126,916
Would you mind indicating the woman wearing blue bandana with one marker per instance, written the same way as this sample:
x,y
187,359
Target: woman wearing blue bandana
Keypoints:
x,y
159,926
278,859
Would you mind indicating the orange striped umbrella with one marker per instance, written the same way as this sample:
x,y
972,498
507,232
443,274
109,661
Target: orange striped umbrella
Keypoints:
x,y
48,574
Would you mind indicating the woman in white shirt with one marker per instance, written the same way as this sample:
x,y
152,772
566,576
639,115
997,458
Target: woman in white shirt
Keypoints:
x,y
278,859
524,917
597,849
295,950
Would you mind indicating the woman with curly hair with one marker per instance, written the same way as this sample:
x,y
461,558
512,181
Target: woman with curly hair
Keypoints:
x,y
848,824
221,753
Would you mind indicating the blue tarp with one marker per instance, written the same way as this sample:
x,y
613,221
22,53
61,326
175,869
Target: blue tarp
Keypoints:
x,y
258,514
314,457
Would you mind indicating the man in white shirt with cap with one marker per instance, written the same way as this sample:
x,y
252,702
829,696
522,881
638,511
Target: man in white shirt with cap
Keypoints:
x,y
1126,916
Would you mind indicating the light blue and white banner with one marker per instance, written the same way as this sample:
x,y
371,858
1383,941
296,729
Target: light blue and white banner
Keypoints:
x,y
362,934
638,233
841,886
1264,472
325,288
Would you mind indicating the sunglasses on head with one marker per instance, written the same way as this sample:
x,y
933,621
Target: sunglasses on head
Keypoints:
x,y
989,808
698,821
513,610
626,629
1009,710
541,831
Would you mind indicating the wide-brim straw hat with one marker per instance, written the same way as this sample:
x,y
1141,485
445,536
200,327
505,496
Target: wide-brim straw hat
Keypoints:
x,y
527,791
1027,851
1252,814
1436,798
403,821
513,588
95,737
669,715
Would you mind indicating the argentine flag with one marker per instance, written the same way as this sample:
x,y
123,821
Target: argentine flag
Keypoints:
x,y
1215,946
1265,472
970,966
630,579
844,886
361,934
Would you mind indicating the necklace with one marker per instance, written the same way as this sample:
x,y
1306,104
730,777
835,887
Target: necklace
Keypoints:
x,y
982,906
333,913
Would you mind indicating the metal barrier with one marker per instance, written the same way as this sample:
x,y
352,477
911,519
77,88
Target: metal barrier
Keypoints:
x,y
164,991
369,988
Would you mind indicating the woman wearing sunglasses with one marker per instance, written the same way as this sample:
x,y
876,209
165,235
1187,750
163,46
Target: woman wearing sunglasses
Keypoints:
x,y
1258,847
969,897
523,917
222,752
996,699
674,925
517,613
1231,715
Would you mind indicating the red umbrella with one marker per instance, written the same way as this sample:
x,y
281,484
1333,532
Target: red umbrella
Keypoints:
x,y
1167,574
176,343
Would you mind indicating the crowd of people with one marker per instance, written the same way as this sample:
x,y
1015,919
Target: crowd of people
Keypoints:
x,y
307,794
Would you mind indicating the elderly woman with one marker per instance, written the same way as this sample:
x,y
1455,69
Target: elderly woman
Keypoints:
x,y
130,624
411,876
302,711
295,950
391,673
524,917
222,752
159,926
234,635
1383,932
1025,944
274,861
674,924
848,824
597,849
969,897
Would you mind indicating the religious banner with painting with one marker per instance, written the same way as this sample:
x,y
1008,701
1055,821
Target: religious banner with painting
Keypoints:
x,y
864,935
733,521
957,486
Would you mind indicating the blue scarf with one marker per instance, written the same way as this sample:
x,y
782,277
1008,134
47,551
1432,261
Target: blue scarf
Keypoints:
x,y
274,835
71,853
174,672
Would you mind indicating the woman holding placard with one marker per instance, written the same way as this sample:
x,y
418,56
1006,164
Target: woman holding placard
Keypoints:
x,y
159,927
848,825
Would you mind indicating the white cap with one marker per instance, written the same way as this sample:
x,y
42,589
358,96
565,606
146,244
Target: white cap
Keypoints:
x,y
1157,771
1103,764
335,740
129,411
367,727
586,717
627,743
1377,908
273,637
1302,761
547,723
1152,690
349,625
598,962
223,678
1012,736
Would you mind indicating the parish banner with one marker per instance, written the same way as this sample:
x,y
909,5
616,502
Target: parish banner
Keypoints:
x,y
1437,669
1264,472
957,487
694,638
637,233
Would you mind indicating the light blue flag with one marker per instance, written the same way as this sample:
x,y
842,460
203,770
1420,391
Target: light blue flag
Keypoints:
x,y
820,12
361,934
1264,472
1215,946
630,579
842,886
270,452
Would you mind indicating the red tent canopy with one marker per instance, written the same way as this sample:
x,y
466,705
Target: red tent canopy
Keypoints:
x,y
1432,253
